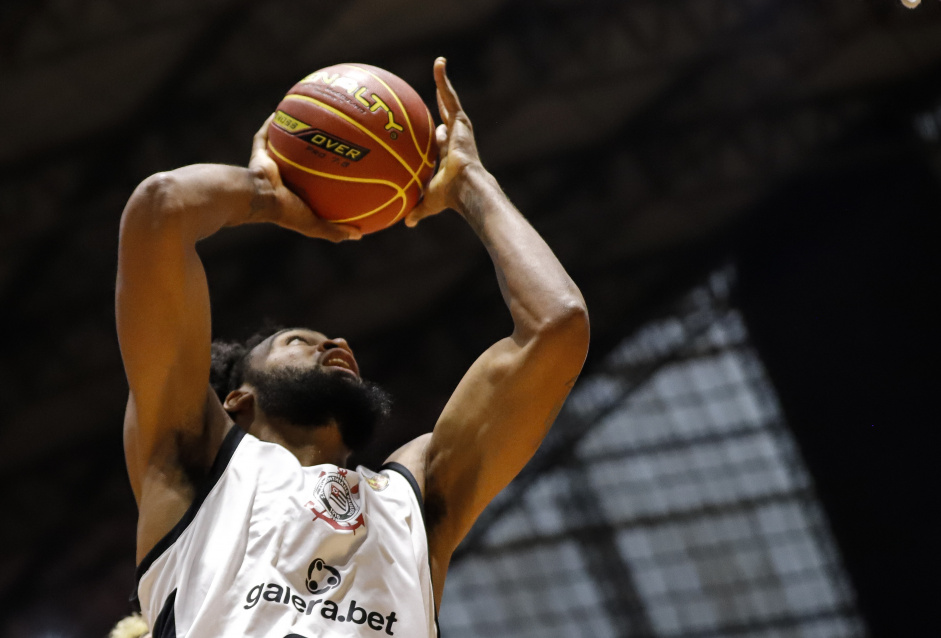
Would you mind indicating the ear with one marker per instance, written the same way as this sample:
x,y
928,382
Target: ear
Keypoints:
x,y
239,401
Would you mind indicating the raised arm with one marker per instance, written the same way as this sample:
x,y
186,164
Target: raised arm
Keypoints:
x,y
505,404
162,300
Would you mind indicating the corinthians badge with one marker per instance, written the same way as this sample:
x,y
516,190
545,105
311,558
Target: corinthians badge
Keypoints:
x,y
335,502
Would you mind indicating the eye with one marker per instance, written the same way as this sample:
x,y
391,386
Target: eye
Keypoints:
x,y
294,338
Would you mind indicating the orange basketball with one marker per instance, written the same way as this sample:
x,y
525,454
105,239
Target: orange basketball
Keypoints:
x,y
356,143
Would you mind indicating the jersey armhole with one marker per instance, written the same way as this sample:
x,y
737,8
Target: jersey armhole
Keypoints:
x,y
404,471
229,444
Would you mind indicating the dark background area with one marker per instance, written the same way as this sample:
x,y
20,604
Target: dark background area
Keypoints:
x,y
843,319
649,142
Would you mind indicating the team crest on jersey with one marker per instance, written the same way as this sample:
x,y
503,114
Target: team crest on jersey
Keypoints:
x,y
336,503
378,482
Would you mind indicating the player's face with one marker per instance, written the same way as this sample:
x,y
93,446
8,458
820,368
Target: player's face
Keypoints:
x,y
302,377
303,348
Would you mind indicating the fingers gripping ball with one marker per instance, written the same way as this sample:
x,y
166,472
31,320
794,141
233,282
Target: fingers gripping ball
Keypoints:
x,y
356,143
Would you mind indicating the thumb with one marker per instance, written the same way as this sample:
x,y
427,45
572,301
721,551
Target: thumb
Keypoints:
x,y
424,208
260,139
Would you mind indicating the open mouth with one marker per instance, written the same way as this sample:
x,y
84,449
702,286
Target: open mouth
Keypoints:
x,y
342,360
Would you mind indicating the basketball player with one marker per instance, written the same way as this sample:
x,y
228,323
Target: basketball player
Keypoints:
x,y
249,524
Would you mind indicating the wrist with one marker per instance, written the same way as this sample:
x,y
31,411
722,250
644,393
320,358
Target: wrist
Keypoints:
x,y
262,205
468,191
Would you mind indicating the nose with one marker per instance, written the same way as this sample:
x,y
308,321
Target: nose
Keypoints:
x,y
338,342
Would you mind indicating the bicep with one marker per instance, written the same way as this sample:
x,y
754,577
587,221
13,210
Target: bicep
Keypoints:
x,y
162,312
495,420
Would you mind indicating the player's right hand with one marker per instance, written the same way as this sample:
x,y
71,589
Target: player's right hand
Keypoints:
x,y
457,153
281,206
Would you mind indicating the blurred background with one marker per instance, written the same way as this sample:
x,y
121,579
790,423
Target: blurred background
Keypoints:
x,y
746,191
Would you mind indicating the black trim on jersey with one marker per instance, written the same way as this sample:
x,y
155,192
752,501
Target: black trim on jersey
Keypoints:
x,y
404,471
229,444
165,625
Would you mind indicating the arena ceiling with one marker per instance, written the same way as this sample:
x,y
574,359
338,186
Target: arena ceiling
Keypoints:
x,y
643,139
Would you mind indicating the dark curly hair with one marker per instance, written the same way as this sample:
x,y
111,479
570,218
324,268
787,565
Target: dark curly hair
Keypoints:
x,y
227,371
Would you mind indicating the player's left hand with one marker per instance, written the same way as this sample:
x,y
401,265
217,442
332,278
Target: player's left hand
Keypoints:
x,y
457,153
287,209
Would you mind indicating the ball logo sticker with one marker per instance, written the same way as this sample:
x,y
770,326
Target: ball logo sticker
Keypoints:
x,y
337,504
368,99
321,578
290,124
334,144
321,139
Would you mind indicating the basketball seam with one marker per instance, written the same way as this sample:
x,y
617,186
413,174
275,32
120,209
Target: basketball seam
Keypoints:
x,y
400,192
365,130
376,211
411,129
402,210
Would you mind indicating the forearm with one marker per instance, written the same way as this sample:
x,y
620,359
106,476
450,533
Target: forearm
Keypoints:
x,y
538,292
199,200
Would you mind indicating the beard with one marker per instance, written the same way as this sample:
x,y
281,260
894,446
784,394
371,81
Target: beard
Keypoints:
x,y
313,397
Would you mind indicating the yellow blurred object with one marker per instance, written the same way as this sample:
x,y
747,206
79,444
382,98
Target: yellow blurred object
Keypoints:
x,y
132,626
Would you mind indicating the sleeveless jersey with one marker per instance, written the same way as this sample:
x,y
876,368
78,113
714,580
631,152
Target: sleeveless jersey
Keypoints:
x,y
276,550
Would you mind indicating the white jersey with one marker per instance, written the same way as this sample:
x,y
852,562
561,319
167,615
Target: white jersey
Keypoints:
x,y
276,550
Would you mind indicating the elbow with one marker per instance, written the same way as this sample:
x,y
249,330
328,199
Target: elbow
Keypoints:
x,y
152,205
568,326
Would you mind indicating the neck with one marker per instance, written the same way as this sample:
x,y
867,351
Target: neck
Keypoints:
x,y
311,445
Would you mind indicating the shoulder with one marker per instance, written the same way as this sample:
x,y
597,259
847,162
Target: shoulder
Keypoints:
x,y
173,487
412,456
